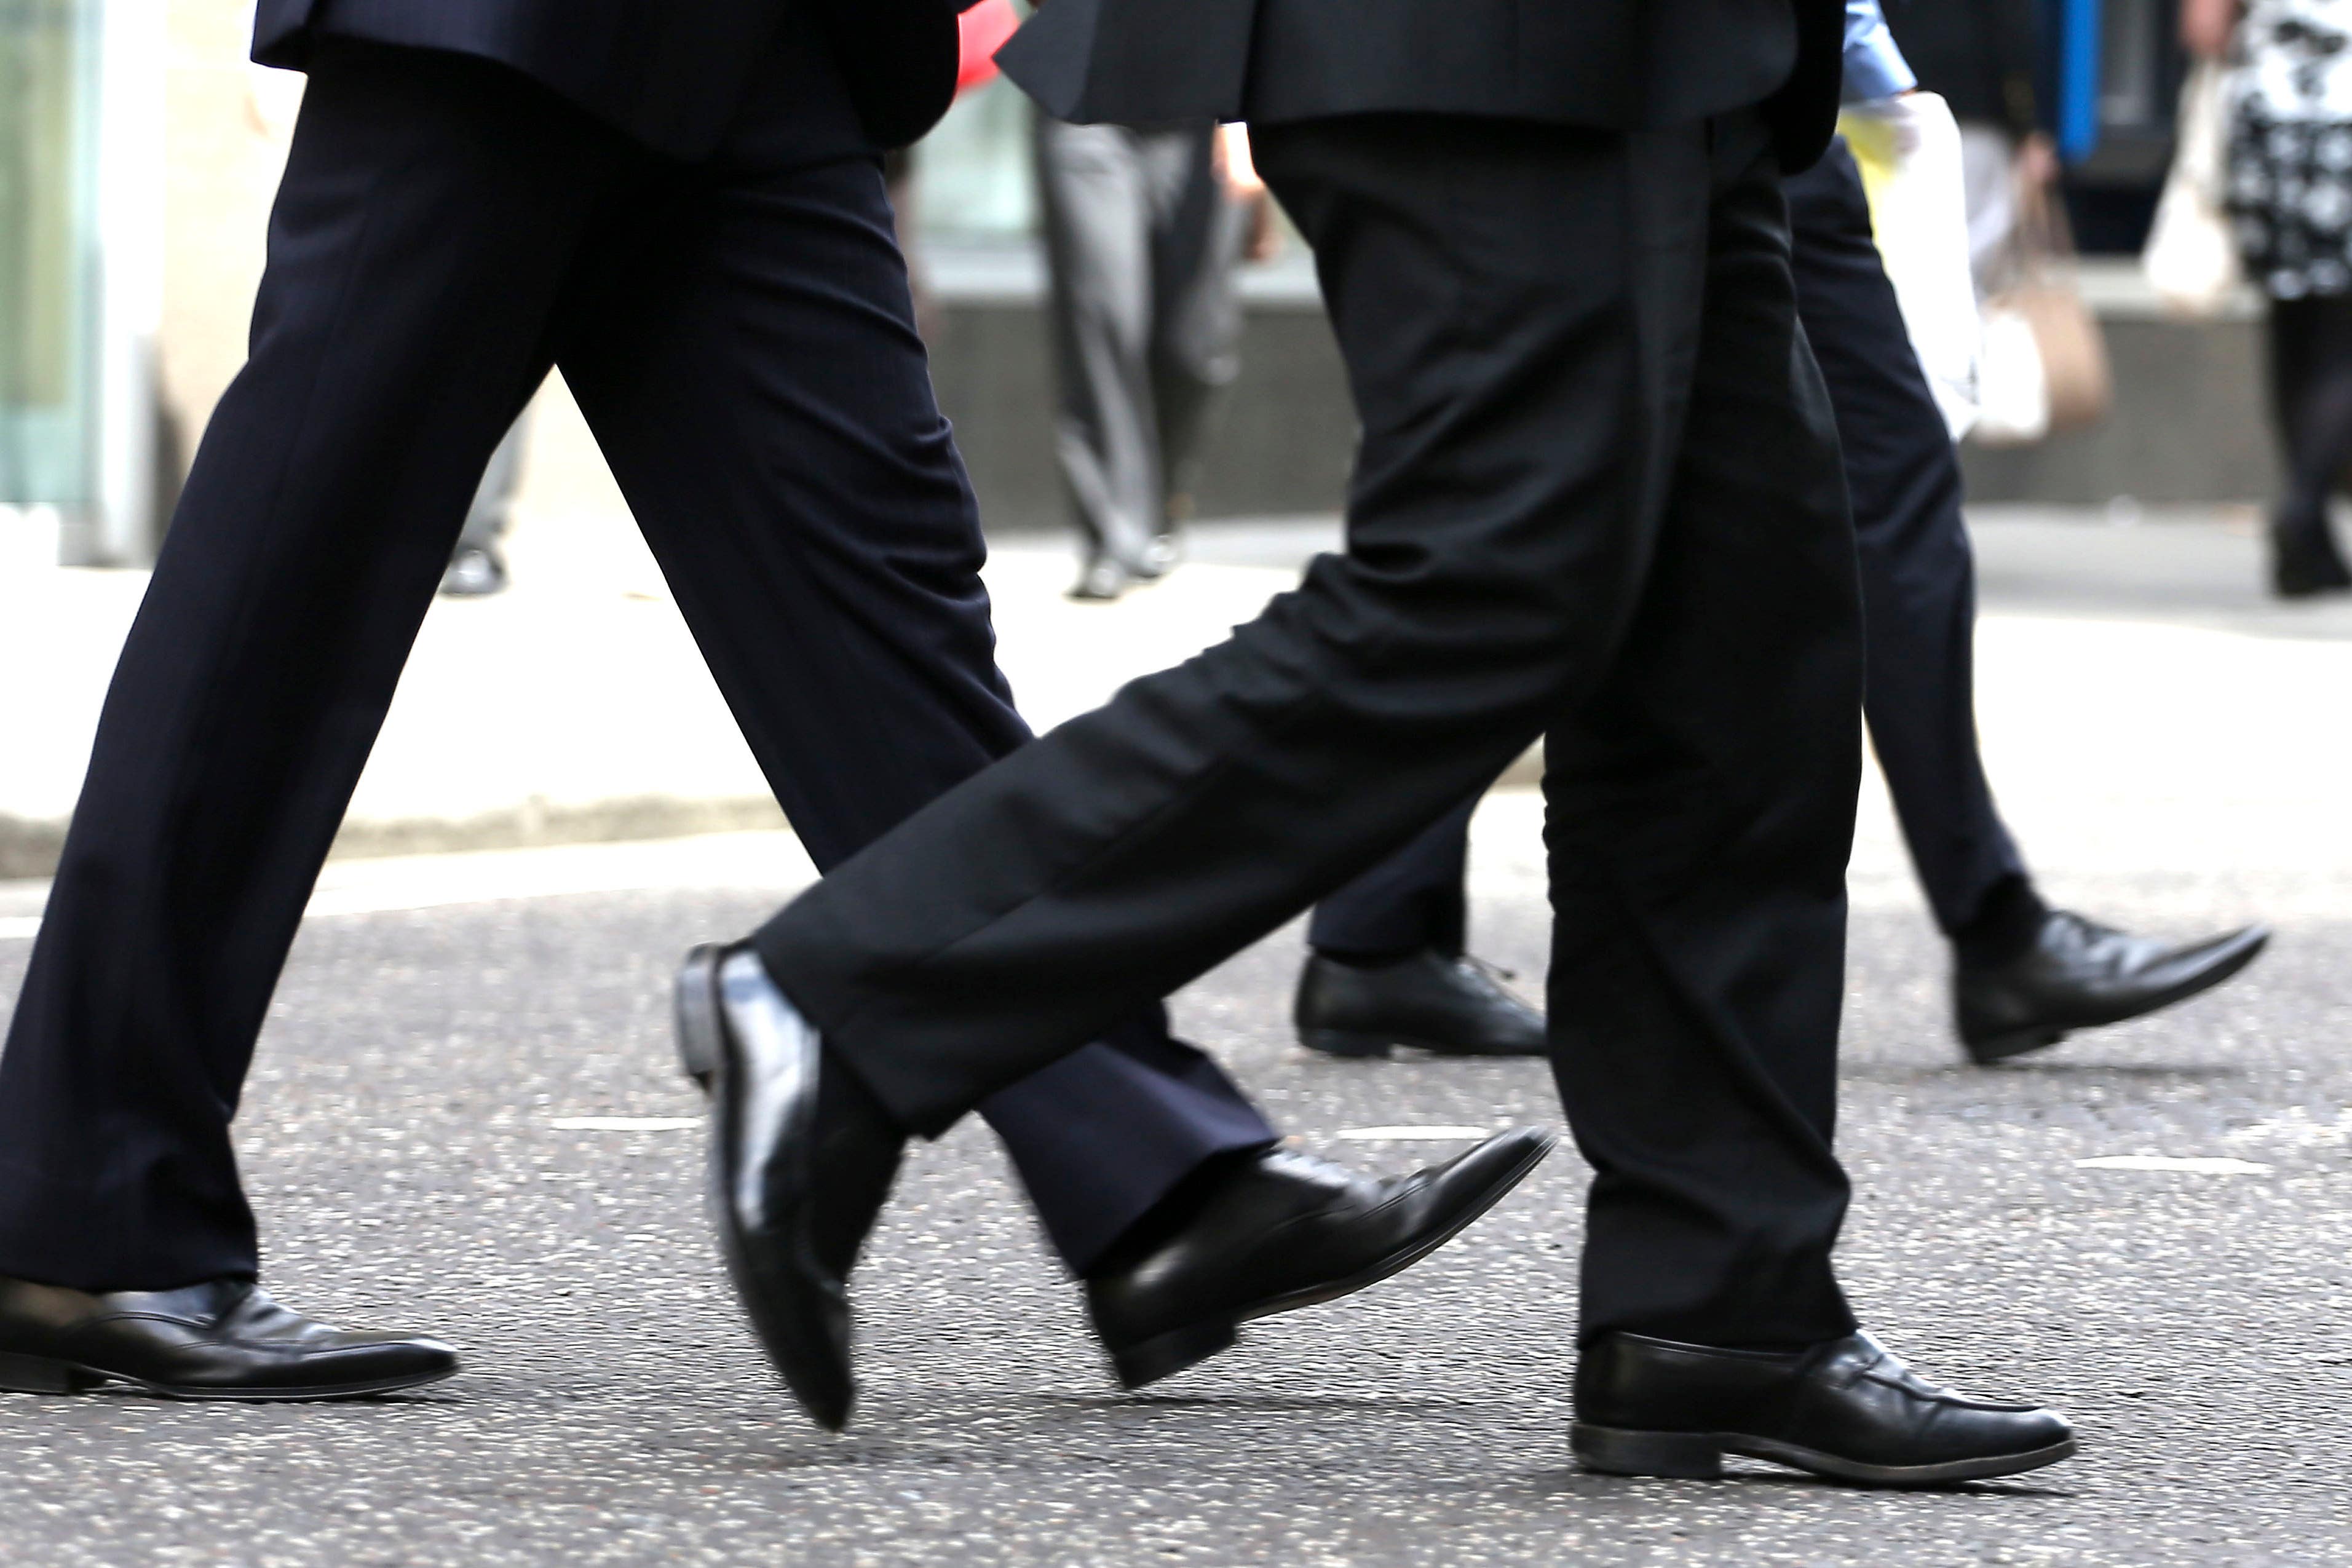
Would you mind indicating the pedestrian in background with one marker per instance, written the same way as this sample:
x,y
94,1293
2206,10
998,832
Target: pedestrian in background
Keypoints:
x,y
1145,227
2290,196
477,567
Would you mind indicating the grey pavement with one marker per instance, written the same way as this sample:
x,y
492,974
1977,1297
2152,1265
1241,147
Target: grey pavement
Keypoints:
x,y
2168,748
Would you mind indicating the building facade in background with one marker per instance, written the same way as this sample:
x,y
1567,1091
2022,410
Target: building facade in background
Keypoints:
x,y
81,278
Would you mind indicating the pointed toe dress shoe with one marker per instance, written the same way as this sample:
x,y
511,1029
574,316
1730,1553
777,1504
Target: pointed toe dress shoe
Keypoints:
x,y
1446,1003
2079,974
1845,1409
800,1160
1286,1230
225,1339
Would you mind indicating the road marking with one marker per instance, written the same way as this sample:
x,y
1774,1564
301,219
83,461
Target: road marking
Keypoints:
x,y
2200,1165
1394,1135
624,1123
17,928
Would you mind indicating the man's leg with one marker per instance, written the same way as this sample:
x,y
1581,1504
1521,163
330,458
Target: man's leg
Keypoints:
x,y
1917,574
776,437
2025,974
766,405
1510,362
1096,213
1527,313
423,230
1699,814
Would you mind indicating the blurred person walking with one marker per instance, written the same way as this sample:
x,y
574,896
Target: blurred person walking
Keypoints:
x,y
2025,975
1144,228
2290,196
683,208
1597,497
477,567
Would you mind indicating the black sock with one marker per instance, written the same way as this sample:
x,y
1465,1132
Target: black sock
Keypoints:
x,y
2007,918
1356,958
1178,1207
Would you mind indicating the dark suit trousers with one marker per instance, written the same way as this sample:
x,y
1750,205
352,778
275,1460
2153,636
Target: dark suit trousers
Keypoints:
x,y
740,338
1918,593
1412,901
1598,496
1918,574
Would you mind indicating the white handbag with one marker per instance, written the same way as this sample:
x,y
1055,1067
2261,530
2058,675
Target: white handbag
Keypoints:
x,y
2191,257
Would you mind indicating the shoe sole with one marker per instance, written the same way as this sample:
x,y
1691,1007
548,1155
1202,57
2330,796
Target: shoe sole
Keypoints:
x,y
1163,1355
1987,1049
1352,1046
40,1374
1698,1457
701,1055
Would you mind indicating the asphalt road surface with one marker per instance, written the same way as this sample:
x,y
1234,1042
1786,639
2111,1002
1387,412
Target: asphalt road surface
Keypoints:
x,y
443,1018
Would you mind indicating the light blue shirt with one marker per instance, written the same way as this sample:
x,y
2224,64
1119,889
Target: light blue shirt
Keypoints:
x,y
1874,68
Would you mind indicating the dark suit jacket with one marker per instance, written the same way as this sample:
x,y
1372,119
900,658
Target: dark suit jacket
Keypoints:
x,y
1617,63
671,73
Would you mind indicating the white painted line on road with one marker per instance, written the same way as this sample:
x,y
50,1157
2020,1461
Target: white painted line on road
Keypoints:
x,y
2200,1165
624,1123
1397,1135
19,928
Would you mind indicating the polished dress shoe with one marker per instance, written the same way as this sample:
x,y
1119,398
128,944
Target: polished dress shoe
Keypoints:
x,y
1453,1006
1286,1230
222,1339
2078,974
1846,1409
800,1160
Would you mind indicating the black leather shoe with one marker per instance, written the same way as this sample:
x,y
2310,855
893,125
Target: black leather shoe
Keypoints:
x,y
1845,1409
800,1160
2078,974
1454,1006
1287,1230
223,1339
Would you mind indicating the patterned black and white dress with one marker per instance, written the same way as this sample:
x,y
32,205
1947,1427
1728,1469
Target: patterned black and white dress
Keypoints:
x,y
2290,146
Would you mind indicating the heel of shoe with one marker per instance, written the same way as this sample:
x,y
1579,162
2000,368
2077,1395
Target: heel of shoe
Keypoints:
x,y
1987,1049
1677,1456
696,1002
1167,1354
39,1374
1346,1043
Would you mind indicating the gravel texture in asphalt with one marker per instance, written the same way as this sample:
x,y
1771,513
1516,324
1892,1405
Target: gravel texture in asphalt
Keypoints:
x,y
401,1141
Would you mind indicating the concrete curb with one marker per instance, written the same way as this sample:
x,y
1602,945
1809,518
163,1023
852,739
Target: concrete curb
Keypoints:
x,y
28,850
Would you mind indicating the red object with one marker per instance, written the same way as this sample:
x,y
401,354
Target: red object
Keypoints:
x,y
985,27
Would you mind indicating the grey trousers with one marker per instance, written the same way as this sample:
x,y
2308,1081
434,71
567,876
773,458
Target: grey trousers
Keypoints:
x,y
493,506
1141,244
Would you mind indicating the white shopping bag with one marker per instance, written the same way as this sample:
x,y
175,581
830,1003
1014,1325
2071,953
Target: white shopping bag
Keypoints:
x,y
1908,150
2191,257
2013,383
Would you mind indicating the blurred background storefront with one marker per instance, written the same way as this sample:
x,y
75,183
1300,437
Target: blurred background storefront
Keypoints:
x,y
81,270
137,152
